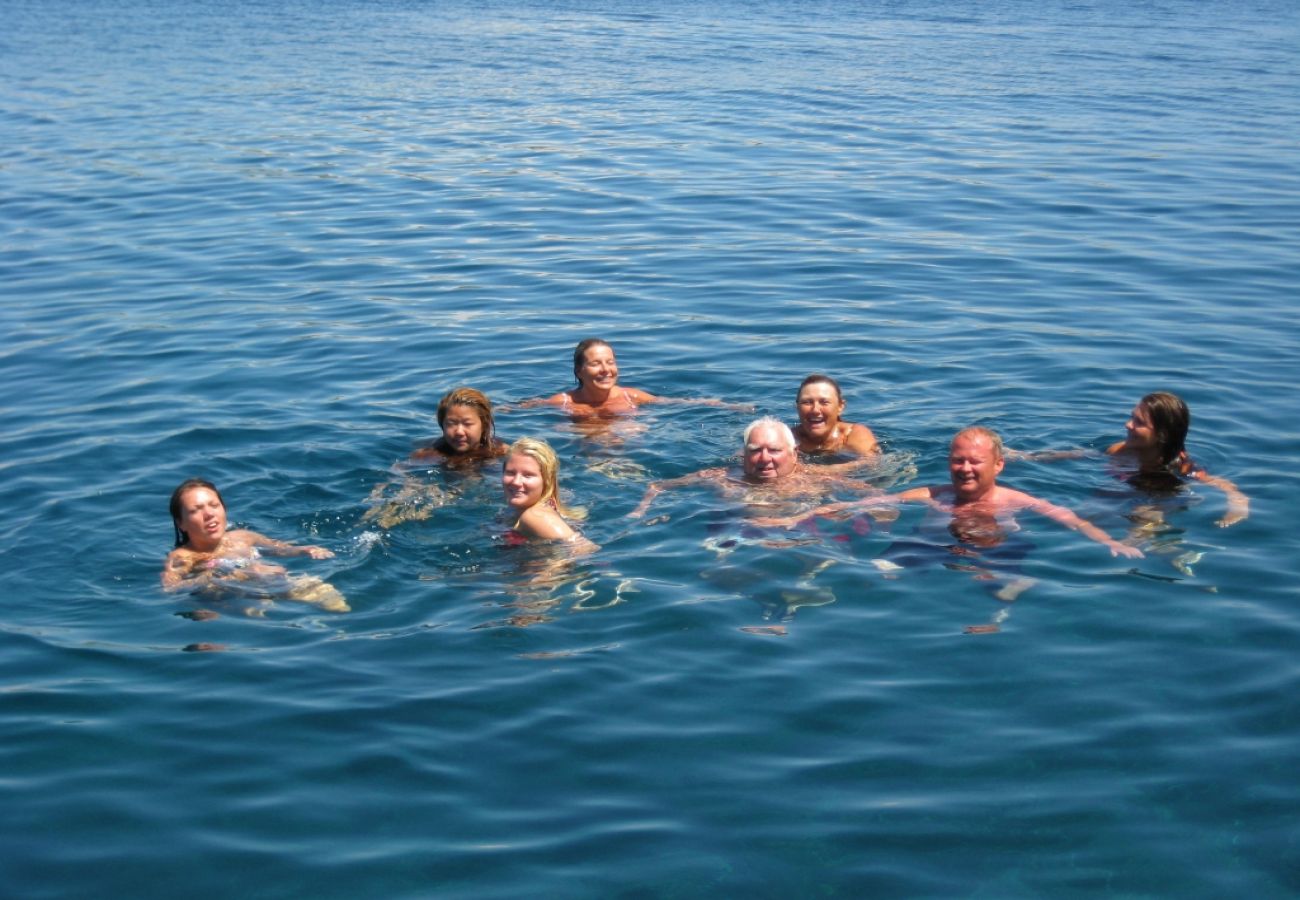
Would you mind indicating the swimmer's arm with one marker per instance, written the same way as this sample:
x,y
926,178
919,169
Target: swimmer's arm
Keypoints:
x,y
640,396
852,465
184,573
1048,455
1068,518
284,548
178,573
658,487
1238,503
830,510
533,402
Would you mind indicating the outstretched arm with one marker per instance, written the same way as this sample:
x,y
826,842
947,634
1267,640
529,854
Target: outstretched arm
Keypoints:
x,y
1067,518
831,510
533,403
658,487
640,396
1044,455
1238,503
284,548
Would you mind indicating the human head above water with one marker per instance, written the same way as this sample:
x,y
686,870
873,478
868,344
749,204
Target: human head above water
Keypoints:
x,y
547,463
178,501
476,401
817,378
768,452
786,436
580,354
1171,419
994,439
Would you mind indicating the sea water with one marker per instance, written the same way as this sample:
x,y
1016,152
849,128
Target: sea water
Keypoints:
x,y
255,242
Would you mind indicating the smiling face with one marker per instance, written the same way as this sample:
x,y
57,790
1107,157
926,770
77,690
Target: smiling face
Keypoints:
x,y
768,455
598,369
202,518
522,481
974,463
462,428
819,406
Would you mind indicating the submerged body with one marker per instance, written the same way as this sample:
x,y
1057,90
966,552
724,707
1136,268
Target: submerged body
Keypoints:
x,y
210,559
468,440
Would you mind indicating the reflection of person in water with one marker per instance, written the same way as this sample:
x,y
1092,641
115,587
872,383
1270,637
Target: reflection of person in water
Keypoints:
x,y
468,439
211,560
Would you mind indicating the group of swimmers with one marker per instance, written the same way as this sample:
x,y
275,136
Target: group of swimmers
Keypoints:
x,y
773,477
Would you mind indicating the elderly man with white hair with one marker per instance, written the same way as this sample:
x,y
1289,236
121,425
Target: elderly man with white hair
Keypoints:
x,y
772,473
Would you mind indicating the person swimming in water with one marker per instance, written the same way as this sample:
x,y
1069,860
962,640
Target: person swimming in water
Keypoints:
x,y
976,503
980,514
820,404
771,473
468,439
468,430
599,395
210,559
1155,444
530,483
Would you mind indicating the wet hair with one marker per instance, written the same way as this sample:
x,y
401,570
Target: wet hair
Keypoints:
x,y
475,400
1171,419
993,437
182,489
547,463
580,353
820,379
787,436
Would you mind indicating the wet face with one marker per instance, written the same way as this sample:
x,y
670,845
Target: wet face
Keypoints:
x,y
521,481
598,371
767,456
462,428
974,465
819,409
1140,431
203,518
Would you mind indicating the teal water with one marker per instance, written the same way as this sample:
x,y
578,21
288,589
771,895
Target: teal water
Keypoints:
x,y
255,242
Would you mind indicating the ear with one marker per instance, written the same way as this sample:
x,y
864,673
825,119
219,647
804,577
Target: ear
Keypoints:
x,y
1002,461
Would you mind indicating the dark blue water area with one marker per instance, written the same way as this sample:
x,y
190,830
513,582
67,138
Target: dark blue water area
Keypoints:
x,y
255,242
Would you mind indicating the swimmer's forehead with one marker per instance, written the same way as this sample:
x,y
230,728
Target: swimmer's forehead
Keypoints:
x,y
972,444
763,438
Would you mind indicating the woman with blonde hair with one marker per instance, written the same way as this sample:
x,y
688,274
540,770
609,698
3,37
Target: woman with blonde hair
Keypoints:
x,y
530,481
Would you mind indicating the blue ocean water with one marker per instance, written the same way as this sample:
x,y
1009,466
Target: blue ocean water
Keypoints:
x,y
256,241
